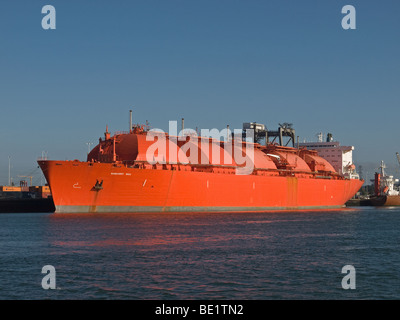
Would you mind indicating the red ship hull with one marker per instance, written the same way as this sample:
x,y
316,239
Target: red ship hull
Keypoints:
x,y
385,200
108,187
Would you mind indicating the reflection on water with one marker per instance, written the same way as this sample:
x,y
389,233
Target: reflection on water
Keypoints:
x,y
273,255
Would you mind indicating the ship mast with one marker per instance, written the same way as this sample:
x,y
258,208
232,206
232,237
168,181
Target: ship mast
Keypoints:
x,y
382,167
130,121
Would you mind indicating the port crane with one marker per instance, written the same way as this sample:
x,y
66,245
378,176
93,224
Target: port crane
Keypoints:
x,y
30,178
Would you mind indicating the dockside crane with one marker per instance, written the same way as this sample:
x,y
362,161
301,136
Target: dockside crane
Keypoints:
x,y
30,178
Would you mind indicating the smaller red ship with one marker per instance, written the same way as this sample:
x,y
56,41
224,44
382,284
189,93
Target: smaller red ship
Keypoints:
x,y
385,192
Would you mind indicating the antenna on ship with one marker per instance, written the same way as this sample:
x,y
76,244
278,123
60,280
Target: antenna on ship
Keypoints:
x,y
130,121
106,134
183,125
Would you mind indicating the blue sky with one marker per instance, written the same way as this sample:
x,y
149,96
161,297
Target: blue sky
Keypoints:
x,y
213,62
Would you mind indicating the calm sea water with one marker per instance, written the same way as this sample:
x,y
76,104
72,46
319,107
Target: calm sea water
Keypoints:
x,y
274,255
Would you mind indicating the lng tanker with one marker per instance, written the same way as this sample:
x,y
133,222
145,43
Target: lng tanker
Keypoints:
x,y
145,171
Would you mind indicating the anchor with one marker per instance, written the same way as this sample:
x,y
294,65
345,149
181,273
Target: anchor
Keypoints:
x,y
98,186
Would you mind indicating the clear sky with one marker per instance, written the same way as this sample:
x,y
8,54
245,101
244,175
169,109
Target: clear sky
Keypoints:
x,y
213,62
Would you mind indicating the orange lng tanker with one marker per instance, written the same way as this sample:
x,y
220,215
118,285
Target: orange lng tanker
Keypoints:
x,y
118,177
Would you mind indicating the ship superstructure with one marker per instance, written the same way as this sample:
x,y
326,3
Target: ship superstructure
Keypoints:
x,y
341,157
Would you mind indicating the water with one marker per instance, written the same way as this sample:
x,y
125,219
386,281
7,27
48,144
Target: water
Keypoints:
x,y
275,255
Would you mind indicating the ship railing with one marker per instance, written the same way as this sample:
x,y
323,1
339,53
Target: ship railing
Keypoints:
x,y
284,172
120,132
